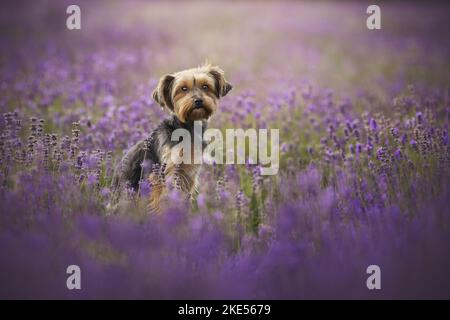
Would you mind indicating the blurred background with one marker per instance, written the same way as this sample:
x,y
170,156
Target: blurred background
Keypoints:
x,y
262,45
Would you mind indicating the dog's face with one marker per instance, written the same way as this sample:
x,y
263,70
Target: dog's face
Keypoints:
x,y
192,94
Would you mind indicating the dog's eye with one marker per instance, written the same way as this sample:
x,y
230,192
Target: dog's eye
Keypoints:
x,y
184,88
205,87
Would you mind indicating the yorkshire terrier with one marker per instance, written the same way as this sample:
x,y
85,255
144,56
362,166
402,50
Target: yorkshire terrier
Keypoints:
x,y
189,95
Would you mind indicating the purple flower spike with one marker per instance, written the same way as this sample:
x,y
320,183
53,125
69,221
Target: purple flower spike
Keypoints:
x,y
419,118
373,125
413,144
398,154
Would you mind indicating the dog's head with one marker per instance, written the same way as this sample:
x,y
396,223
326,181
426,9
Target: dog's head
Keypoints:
x,y
192,94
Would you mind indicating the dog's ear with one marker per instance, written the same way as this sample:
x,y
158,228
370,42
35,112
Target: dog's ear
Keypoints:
x,y
163,92
222,86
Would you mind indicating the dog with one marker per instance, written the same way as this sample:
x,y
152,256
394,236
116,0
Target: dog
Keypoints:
x,y
189,95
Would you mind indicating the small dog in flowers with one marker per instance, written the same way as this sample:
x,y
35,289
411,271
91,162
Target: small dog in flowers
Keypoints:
x,y
189,95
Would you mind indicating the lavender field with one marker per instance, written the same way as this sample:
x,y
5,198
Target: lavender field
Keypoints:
x,y
364,157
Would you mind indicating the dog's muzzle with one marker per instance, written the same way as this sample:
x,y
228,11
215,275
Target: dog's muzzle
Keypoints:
x,y
198,103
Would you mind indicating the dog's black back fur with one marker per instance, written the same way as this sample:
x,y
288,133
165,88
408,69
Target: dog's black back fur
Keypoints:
x,y
128,172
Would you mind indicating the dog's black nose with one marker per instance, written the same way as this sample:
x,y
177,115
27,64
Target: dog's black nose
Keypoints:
x,y
198,102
